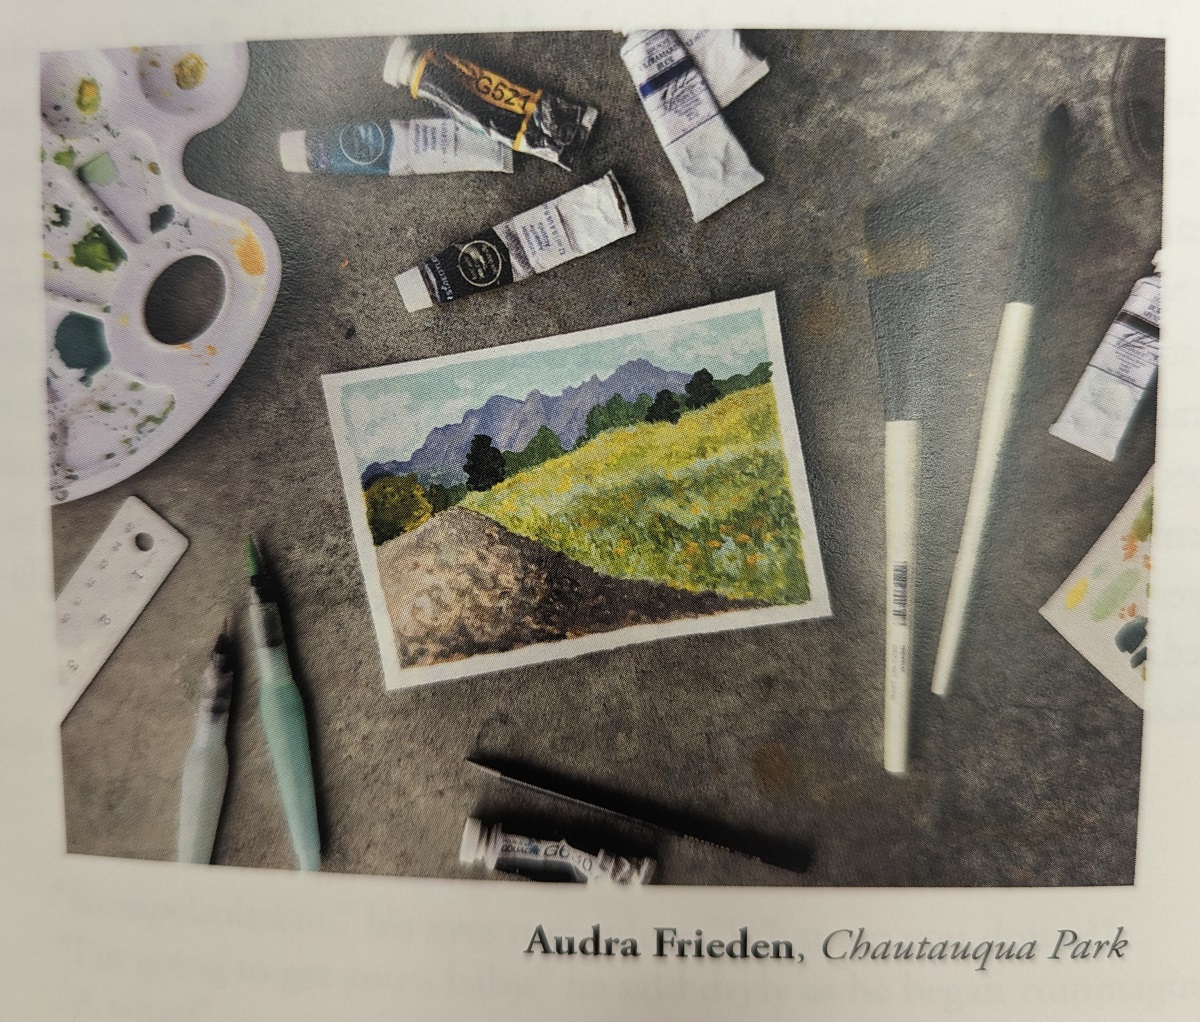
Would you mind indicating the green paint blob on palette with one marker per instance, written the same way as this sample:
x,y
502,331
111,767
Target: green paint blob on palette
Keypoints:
x,y
1115,594
127,373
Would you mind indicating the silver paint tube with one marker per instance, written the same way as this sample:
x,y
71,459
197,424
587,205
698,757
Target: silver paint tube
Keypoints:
x,y
547,860
1103,404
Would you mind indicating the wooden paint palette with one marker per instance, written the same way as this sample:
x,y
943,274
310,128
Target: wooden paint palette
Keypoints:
x,y
155,290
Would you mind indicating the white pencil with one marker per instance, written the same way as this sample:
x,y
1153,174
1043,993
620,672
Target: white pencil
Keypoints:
x,y
901,464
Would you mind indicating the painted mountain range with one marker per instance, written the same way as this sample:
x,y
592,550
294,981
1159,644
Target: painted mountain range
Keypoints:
x,y
512,423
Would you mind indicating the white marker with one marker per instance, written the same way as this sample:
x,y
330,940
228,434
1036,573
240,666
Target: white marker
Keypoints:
x,y
901,291
206,768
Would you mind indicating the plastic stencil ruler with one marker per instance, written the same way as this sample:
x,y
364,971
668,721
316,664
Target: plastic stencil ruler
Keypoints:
x,y
108,591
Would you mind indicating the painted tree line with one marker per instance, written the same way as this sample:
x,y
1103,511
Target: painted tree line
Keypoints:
x,y
398,504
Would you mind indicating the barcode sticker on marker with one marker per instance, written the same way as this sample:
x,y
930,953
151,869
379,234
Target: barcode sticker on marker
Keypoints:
x,y
900,592
108,591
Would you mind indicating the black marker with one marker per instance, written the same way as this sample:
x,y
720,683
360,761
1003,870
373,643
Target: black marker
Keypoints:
x,y
772,851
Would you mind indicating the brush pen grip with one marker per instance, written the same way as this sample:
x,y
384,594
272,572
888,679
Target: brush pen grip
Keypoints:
x,y
282,713
999,404
202,792
901,467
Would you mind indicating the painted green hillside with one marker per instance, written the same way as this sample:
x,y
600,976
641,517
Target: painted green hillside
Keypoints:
x,y
701,504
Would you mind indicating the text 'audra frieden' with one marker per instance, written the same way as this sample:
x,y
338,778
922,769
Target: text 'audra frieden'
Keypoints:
x,y
667,943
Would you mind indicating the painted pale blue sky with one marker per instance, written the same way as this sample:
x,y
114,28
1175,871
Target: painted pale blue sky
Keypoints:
x,y
387,419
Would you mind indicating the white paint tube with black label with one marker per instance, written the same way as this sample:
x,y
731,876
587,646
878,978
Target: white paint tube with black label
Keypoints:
x,y
1103,404
581,221
729,69
547,860
392,148
711,164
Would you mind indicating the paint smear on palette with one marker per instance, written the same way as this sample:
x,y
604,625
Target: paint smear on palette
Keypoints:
x,y
190,70
98,413
250,254
87,97
1102,607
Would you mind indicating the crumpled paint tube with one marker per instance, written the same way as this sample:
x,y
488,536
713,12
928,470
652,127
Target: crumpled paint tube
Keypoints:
x,y
729,69
395,148
547,860
527,120
1102,406
581,221
711,164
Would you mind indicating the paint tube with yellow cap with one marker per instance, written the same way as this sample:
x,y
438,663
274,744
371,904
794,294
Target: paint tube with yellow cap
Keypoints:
x,y
528,120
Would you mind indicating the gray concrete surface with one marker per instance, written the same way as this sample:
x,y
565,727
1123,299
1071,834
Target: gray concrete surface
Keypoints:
x,y
1026,775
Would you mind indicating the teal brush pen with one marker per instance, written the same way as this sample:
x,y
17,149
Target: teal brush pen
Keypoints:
x,y
282,713
206,766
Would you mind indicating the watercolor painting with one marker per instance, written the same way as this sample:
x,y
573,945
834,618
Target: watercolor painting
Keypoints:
x,y
568,494
1102,607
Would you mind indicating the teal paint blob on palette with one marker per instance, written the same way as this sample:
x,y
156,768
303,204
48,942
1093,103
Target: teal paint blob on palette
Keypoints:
x,y
79,342
127,377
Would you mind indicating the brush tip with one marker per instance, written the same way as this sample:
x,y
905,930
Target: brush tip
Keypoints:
x,y
897,234
252,560
223,647
1054,139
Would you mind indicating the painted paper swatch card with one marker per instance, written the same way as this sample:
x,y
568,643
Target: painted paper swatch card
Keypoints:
x,y
575,493
1101,609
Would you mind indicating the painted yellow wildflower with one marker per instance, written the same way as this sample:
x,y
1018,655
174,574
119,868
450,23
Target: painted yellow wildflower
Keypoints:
x,y
623,517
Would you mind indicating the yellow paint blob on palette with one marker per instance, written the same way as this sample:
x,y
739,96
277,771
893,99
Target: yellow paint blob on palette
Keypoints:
x,y
155,290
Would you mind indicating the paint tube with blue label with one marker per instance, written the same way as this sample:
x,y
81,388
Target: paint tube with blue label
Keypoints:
x,y
581,221
547,860
527,120
393,148
710,162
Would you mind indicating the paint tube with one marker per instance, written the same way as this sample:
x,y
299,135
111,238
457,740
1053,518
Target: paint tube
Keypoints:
x,y
527,120
581,221
728,68
1103,404
395,148
547,860
711,164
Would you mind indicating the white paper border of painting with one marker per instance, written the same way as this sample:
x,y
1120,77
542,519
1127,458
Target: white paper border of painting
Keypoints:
x,y
1112,664
397,676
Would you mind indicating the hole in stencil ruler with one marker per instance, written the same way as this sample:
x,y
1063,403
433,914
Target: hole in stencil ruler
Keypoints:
x,y
143,541
185,299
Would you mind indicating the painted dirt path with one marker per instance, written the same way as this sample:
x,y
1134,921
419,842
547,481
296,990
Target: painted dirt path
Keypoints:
x,y
461,585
